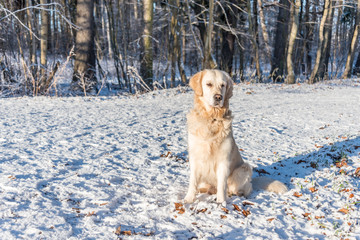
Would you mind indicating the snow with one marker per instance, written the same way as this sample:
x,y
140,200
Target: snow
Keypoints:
x,y
107,167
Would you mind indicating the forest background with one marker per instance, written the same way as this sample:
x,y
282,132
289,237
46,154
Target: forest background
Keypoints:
x,y
87,46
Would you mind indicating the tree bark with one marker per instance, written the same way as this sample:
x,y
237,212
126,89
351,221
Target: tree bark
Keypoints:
x,y
207,63
227,48
146,65
295,6
32,41
281,35
314,74
84,75
43,45
308,39
264,30
254,40
323,72
351,53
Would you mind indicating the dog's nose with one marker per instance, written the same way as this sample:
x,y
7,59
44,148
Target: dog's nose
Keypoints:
x,y
218,97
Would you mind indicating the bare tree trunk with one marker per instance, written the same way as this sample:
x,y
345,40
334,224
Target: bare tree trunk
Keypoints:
x,y
356,69
281,35
315,71
32,41
242,22
43,44
295,6
323,72
172,41
264,30
108,31
351,53
307,39
178,51
254,33
207,63
299,48
125,29
84,75
337,45
228,44
146,67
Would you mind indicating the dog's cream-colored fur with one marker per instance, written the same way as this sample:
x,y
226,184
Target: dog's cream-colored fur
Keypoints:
x,y
216,165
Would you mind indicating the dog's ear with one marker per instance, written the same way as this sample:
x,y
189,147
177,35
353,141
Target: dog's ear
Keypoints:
x,y
195,83
229,85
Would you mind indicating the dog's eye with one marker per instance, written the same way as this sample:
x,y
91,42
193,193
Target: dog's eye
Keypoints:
x,y
209,85
222,85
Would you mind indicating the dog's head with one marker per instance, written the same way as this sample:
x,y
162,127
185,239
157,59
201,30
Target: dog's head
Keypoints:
x,y
213,87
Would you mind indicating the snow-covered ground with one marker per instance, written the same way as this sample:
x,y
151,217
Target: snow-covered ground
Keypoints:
x,y
116,167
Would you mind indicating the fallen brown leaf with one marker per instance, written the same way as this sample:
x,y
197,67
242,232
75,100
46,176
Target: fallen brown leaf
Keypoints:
x,y
296,194
237,208
180,208
344,211
245,203
246,212
225,210
261,171
223,216
346,190
118,230
126,233
165,155
313,189
357,172
89,214
342,171
306,214
202,210
270,219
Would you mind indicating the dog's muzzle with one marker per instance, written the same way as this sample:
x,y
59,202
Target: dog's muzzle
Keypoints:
x,y
217,98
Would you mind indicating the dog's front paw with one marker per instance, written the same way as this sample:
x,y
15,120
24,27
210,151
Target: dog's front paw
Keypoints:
x,y
189,198
221,201
221,204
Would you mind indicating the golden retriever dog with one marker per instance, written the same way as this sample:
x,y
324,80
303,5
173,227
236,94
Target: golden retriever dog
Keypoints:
x,y
216,165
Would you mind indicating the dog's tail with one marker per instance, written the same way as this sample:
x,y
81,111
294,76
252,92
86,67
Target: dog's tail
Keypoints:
x,y
269,185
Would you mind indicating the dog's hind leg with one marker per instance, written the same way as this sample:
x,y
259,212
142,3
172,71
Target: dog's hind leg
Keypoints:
x,y
239,182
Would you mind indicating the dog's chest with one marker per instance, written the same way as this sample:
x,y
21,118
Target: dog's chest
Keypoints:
x,y
209,129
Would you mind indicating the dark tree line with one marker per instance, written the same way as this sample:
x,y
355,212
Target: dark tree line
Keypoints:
x,y
137,45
